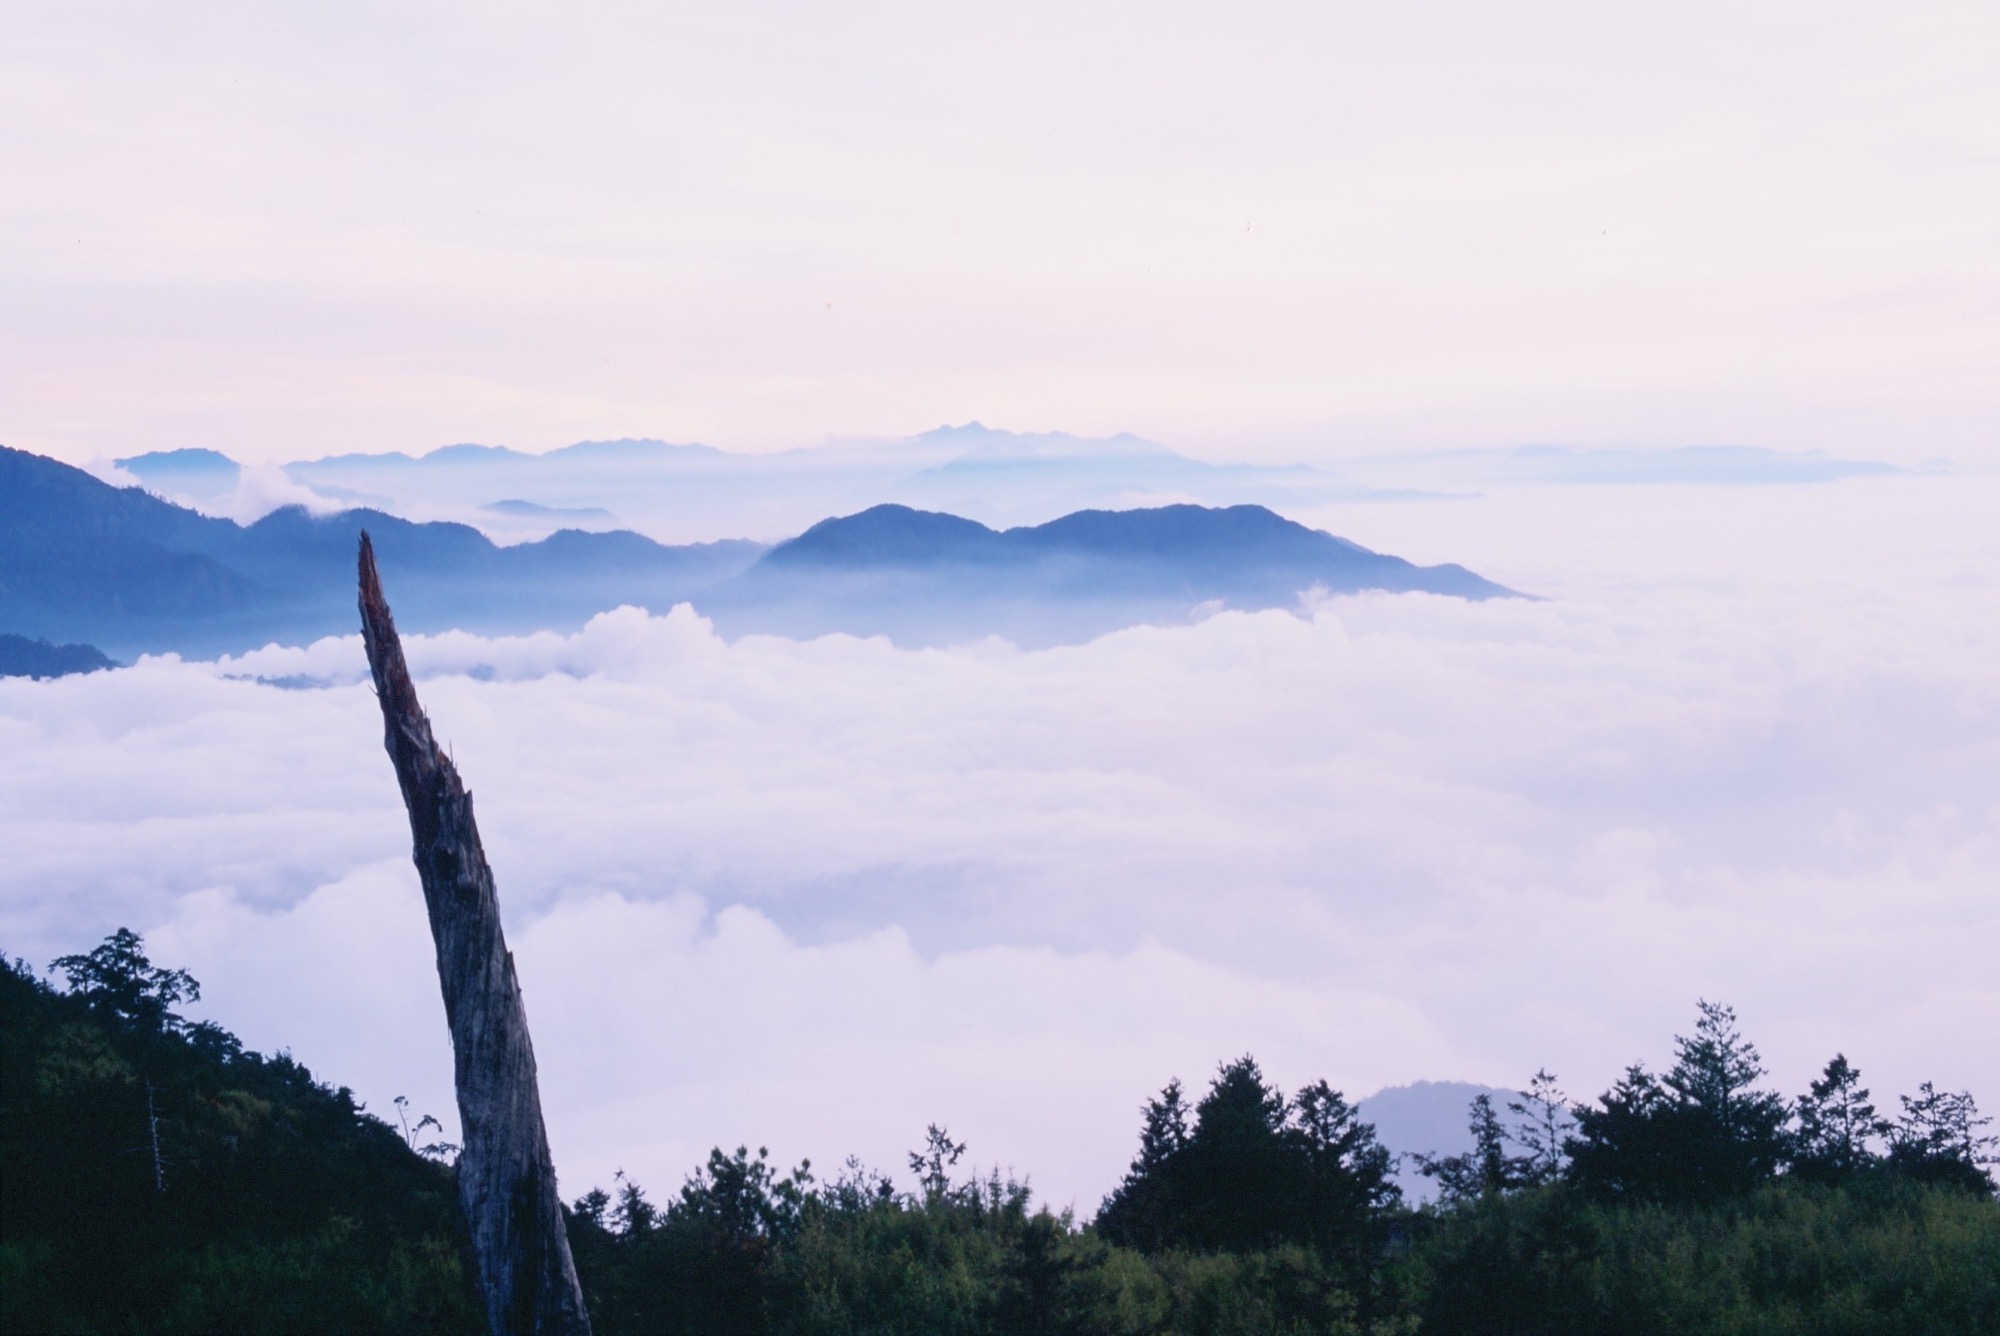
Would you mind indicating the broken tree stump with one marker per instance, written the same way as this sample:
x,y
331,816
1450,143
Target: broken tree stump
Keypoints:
x,y
506,1180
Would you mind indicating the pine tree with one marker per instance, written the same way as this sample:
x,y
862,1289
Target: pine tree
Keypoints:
x,y
1253,1169
1715,1072
1542,1124
1486,1170
1836,1124
1139,1209
1700,1133
1939,1140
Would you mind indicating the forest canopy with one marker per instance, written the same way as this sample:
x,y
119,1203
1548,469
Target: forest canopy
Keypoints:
x,y
156,1176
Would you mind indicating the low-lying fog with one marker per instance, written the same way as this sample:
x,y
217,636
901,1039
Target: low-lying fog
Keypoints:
x,y
816,895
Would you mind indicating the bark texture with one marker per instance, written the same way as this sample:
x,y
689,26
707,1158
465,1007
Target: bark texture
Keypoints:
x,y
506,1180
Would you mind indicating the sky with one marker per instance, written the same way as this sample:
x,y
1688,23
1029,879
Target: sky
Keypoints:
x,y
1745,745
1250,231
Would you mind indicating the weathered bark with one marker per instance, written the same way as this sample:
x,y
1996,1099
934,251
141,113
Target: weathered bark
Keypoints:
x,y
506,1180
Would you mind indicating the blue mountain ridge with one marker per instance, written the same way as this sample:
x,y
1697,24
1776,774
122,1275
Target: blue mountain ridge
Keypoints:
x,y
22,657
131,573
81,560
925,578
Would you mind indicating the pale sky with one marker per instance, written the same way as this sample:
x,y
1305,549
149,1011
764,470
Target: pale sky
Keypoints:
x,y
1259,231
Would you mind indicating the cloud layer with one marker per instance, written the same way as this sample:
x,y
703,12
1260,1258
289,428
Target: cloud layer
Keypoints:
x,y
815,895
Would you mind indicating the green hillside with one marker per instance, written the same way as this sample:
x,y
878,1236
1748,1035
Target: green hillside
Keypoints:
x,y
155,1177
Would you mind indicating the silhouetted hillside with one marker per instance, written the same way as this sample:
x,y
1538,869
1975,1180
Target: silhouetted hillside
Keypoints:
x,y
80,559
924,578
127,570
157,1177
22,657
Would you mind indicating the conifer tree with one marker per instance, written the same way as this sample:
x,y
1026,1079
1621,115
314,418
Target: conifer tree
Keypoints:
x,y
1836,1126
1702,1132
1484,1171
1542,1124
1939,1140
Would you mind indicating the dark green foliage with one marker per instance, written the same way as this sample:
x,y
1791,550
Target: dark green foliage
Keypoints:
x,y
1701,1133
274,1204
1256,1170
703,1263
953,1258
1541,1127
1887,1259
1836,1127
1485,1171
157,1177
1938,1140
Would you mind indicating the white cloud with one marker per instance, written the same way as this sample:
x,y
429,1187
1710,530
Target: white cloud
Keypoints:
x,y
815,895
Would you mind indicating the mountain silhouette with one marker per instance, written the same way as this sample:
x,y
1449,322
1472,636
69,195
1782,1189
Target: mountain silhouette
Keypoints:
x,y
921,577
81,560
125,570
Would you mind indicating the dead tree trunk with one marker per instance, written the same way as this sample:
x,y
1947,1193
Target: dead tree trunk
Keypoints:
x,y
506,1180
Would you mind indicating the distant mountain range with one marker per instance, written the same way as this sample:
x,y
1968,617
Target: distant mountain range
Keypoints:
x,y
1001,478
663,488
124,570
81,560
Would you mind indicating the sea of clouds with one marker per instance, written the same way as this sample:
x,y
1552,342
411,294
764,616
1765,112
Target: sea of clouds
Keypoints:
x,y
816,895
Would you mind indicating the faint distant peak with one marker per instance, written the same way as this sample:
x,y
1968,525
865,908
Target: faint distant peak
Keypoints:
x,y
469,455
978,438
1738,464
530,510
627,448
474,454
357,459
1716,465
193,462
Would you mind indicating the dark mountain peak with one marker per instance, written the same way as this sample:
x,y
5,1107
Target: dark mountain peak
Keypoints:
x,y
82,559
891,536
1182,530
22,657
39,495
896,536
927,578
86,561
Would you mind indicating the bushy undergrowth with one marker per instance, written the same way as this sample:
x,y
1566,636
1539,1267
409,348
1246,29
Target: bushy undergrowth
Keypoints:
x,y
1888,1256
1880,1259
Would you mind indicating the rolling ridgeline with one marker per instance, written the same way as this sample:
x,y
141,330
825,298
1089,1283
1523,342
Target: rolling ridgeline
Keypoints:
x,y
155,1176
123,570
